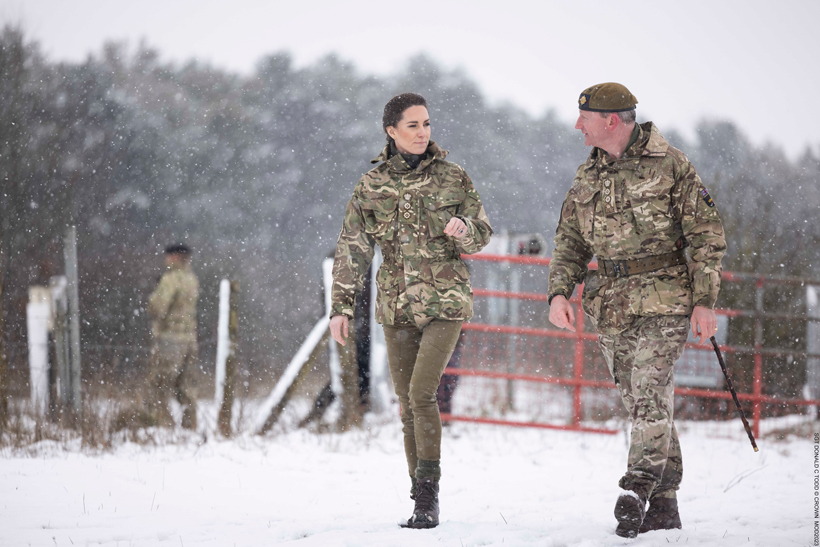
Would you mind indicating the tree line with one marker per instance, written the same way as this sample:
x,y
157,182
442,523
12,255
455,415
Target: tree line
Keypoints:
x,y
253,172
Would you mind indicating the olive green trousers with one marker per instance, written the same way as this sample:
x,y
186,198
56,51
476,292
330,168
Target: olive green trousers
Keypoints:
x,y
417,358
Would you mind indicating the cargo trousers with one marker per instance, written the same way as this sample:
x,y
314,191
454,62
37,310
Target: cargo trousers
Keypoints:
x,y
641,361
417,359
170,374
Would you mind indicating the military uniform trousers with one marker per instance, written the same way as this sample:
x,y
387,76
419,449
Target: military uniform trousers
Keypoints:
x,y
641,361
417,358
171,368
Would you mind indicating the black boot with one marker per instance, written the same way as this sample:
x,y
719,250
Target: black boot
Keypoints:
x,y
630,510
661,515
425,514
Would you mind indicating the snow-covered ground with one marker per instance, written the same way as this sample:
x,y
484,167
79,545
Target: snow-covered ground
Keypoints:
x,y
501,486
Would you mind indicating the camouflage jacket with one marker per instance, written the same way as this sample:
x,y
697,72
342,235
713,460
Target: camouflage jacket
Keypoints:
x,y
637,206
172,306
404,212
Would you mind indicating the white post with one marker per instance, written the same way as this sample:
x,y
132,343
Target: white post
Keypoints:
x,y
380,391
335,362
291,372
38,315
223,339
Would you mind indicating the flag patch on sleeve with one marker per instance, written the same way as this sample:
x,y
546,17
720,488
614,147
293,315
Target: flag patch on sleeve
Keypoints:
x,y
706,197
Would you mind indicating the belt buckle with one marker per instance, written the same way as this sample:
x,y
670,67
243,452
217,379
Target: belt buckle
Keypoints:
x,y
620,267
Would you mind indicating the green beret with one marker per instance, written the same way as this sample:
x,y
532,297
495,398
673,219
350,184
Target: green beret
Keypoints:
x,y
608,97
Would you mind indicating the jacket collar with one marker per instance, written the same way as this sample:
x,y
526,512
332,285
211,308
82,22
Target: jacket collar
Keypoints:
x,y
650,143
397,163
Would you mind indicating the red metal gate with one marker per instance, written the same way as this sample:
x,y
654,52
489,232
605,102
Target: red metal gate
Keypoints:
x,y
581,356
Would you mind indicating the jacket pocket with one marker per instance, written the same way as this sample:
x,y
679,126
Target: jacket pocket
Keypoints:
x,y
387,283
440,209
651,204
453,295
666,294
585,211
380,218
591,298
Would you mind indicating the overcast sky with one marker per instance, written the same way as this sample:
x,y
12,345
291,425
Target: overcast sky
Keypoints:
x,y
753,62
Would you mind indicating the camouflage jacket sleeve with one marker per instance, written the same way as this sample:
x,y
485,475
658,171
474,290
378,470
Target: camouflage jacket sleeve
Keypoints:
x,y
471,211
572,253
354,252
159,303
703,230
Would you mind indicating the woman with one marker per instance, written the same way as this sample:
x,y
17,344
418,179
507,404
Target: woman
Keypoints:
x,y
423,212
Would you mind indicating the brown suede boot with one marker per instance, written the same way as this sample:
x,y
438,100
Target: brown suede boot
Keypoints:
x,y
425,514
661,515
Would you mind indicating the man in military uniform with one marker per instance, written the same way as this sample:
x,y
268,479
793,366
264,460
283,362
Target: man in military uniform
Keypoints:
x,y
172,307
640,208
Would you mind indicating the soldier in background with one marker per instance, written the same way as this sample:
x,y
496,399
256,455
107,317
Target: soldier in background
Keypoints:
x,y
172,307
638,205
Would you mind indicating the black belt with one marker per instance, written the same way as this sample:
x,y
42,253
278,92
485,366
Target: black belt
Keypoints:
x,y
624,268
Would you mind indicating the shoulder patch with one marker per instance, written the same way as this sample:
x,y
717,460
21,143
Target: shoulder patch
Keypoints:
x,y
706,197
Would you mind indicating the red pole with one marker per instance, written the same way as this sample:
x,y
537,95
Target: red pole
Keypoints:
x,y
757,386
579,363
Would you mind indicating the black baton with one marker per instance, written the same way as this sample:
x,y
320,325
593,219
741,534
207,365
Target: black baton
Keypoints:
x,y
734,394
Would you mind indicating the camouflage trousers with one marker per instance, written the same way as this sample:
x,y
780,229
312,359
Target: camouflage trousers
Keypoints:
x,y
170,375
641,360
417,358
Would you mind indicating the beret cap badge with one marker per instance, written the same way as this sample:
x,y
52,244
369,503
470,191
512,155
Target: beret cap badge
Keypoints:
x,y
607,97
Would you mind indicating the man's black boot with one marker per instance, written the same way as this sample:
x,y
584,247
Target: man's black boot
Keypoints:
x,y
425,514
661,515
630,510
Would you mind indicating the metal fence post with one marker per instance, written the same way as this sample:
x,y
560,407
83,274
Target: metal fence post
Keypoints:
x,y
578,365
70,254
758,345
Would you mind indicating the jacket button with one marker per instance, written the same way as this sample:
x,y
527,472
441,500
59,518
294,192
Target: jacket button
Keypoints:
x,y
407,196
406,205
607,182
407,213
608,199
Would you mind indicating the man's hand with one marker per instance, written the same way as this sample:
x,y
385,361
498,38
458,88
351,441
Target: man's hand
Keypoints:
x,y
562,314
338,328
704,324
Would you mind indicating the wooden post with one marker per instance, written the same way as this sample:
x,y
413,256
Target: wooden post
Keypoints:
x,y
229,392
4,404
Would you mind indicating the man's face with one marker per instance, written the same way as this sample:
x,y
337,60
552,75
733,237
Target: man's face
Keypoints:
x,y
173,258
594,128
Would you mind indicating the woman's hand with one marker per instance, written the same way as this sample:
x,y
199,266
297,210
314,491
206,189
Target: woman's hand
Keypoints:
x,y
456,228
338,328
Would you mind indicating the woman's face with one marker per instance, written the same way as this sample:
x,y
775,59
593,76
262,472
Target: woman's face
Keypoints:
x,y
412,133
